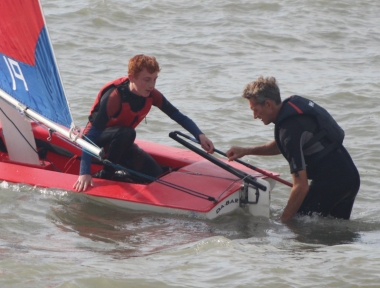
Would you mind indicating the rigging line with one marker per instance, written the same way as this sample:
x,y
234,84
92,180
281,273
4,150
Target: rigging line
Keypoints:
x,y
227,188
209,175
91,142
76,145
218,177
163,182
63,138
30,145
179,188
186,190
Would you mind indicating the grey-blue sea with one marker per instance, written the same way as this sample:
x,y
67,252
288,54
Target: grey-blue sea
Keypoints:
x,y
327,51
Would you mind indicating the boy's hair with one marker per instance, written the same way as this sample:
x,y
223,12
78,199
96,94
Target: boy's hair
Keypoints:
x,y
140,62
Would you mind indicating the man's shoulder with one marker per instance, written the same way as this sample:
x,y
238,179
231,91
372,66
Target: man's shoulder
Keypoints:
x,y
298,124
298,119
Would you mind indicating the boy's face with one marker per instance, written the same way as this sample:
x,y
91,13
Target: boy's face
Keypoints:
x,y
144,83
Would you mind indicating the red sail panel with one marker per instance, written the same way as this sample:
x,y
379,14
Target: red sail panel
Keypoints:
x,y
21,22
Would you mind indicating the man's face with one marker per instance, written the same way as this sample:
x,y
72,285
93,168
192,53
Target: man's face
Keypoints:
x,y
144,83
262,111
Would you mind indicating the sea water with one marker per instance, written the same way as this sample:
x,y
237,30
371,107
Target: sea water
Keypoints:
x,y
327,51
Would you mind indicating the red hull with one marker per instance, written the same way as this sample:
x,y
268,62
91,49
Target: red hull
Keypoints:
x,y
194,173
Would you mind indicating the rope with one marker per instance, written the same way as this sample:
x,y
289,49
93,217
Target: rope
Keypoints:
x,y
160,181
70,163
74,144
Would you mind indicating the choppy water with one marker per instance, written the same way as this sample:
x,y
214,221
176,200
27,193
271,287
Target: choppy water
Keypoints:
x,y
208,50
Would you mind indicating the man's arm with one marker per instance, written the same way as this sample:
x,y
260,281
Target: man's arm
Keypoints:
x,y
297,195
267,149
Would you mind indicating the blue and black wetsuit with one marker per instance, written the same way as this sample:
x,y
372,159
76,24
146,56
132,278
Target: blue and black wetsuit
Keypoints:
x,y
119,140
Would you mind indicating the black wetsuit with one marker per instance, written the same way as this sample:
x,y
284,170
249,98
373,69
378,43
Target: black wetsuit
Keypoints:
x,y
335,178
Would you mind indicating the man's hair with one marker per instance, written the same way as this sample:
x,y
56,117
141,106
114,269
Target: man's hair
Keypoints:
x,y
140,62
263,89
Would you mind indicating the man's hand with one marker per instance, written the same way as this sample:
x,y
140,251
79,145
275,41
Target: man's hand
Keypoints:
x,y
297,195
236,152
83,182
206,143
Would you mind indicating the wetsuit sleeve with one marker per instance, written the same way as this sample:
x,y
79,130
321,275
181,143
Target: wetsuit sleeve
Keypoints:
x,y
187,123
165,106
291,138
85,164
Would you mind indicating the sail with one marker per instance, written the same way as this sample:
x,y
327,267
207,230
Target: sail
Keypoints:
x,y
28,70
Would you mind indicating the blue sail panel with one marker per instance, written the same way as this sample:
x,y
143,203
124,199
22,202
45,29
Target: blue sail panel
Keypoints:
x,y
28,71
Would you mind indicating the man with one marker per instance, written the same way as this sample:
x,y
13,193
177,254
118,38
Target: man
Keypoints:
x,y
119,107
311,141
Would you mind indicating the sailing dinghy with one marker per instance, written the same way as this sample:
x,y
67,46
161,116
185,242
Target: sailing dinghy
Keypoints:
x,y
41,146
